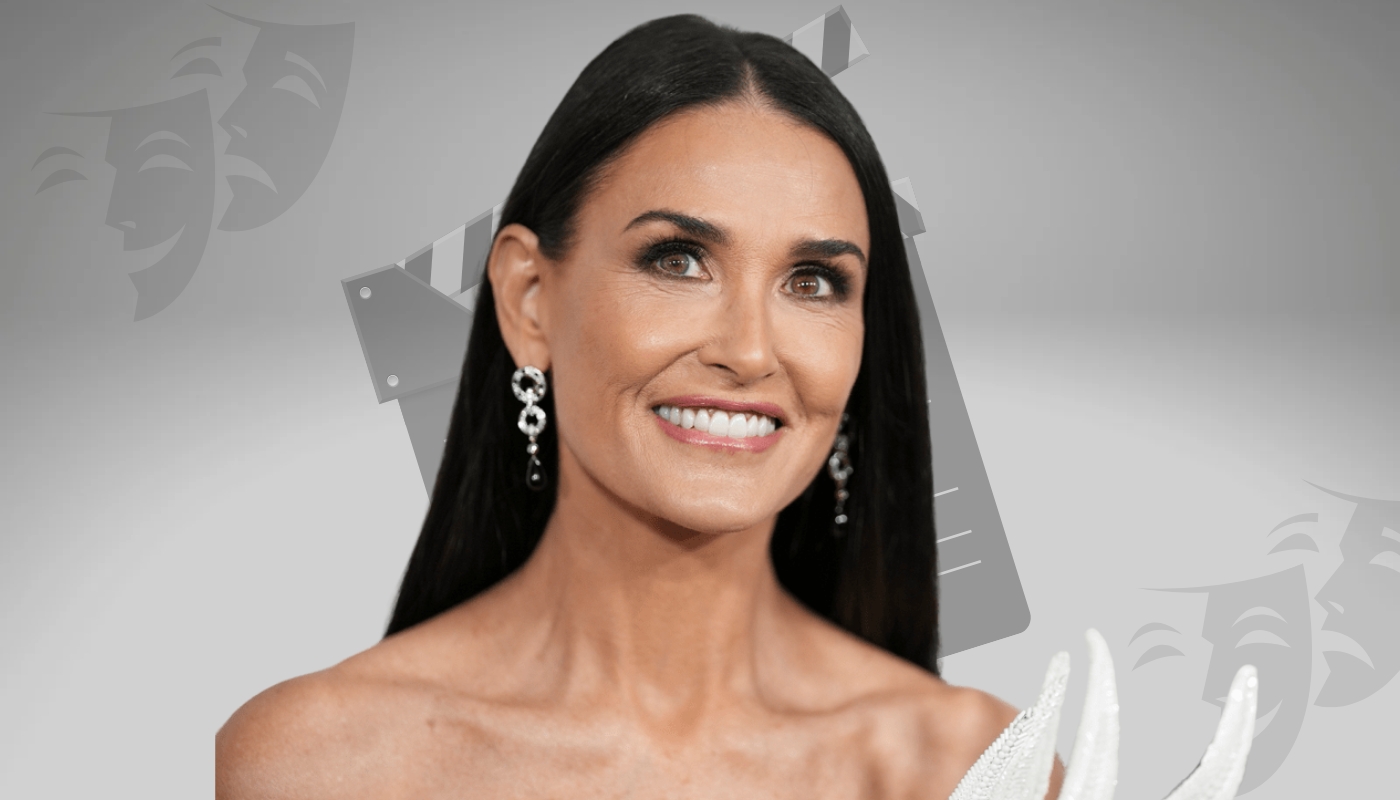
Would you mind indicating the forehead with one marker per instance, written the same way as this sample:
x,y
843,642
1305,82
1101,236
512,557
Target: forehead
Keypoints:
x,y
743,167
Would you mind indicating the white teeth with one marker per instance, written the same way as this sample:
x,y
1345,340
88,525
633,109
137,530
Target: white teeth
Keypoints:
x,y
718,423
738,427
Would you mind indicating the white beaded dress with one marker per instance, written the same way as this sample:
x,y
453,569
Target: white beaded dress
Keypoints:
x,y
1017,765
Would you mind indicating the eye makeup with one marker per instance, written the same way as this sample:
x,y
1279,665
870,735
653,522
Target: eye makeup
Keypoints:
x,y
652,252
835,276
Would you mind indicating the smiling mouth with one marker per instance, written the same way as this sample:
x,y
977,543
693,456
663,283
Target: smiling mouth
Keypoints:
x,y
717,428
719,423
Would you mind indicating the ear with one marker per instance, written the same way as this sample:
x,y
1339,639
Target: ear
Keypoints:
x,y
516,270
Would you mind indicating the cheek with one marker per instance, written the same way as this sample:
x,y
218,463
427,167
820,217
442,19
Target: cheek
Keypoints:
x,y
821,354
617,332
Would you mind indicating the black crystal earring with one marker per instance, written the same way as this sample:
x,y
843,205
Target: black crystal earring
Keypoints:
x,y
532,420
838,466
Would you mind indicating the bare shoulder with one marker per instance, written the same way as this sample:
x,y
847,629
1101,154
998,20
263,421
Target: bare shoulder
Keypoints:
x,y
963,722
253,750
913,704
294,739
946,728
325,734
922,733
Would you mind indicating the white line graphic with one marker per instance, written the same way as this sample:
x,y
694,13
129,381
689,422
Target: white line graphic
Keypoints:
x,y
955,569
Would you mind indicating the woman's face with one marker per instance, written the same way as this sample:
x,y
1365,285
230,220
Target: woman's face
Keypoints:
x,y
717,273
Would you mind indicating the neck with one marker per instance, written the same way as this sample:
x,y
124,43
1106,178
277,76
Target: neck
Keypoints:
x,y
662,620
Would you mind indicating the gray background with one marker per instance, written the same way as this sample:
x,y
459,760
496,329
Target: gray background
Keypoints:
x,y
1162,242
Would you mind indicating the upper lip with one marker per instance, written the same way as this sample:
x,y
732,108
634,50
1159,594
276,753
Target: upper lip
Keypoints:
x,y
704,401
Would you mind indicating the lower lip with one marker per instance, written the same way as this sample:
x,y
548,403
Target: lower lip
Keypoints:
x,y
751,444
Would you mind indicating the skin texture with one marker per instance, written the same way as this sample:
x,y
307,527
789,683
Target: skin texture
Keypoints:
x,y
646,648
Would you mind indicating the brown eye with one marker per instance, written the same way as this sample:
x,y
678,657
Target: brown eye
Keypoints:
x,y
809,285
679,264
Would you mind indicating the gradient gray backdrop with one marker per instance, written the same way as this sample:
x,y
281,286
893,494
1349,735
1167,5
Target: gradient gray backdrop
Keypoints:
x,y
1162,241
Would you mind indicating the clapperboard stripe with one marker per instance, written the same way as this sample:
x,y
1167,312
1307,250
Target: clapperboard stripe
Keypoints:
x,y
413,319
911,221
453,264
831,41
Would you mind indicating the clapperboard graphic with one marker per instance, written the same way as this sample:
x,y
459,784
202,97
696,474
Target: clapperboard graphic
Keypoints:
x,y
413,319
979,591
831,41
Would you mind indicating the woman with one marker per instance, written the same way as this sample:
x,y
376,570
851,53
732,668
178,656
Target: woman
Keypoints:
x,y
709,569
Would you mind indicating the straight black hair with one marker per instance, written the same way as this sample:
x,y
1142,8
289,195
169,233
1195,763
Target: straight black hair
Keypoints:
x,y
878,580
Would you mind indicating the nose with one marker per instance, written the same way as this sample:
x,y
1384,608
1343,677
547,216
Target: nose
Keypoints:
x,y
742,341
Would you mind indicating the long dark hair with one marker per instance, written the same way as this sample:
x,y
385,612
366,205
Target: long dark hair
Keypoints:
x,y
877,580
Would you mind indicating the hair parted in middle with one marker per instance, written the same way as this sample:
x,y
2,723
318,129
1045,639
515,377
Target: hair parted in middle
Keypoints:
x,y
878,581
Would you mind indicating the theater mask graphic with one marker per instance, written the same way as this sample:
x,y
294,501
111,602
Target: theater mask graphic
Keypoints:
x,y
1362,601
281,125
164,187
1262,621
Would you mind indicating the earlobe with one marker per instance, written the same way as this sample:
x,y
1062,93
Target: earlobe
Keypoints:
x,y
515,269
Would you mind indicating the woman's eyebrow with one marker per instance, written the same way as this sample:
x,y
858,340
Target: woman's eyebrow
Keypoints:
x,y
708,231
694,226
826,248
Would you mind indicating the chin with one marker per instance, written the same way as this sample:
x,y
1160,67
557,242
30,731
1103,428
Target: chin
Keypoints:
x,y
714,518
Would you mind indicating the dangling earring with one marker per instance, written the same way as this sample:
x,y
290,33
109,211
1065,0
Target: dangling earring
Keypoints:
x,y
532,420
840,469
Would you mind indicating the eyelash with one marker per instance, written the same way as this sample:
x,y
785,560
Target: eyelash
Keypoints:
x,y
655,251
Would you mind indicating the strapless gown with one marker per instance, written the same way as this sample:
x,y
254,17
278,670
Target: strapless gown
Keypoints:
x,y
1017,765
